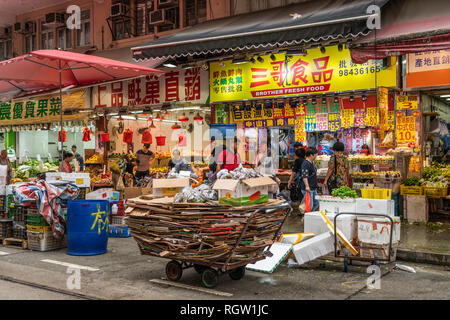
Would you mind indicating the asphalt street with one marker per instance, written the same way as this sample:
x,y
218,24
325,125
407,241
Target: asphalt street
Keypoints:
x,y
123,273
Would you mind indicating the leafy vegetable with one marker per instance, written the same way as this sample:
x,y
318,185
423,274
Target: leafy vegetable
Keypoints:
x,y
412,181
344,192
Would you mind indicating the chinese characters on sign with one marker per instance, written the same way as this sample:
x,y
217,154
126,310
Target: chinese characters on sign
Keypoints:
x,y
407,102
347,118
372,117
406,129
300,133
430,68
322,122
177,85
334,122
310,122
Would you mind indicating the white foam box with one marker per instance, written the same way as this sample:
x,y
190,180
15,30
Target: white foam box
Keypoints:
x,y
52,176
81,180
103,194
377,206
268,265
314,248
378,230
328,203
313,222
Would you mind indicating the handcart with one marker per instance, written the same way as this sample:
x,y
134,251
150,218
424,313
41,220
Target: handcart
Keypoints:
x,y
210,271
374,255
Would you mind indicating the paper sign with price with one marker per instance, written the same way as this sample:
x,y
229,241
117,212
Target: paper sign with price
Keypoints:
x,y
300,133
322,122
372,117
334,121
406,129
360,118
407,102
348,117
310,122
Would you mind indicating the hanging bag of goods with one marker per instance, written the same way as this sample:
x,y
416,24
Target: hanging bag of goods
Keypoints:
x,y
64,136
86,134
128,136
104,137
147,137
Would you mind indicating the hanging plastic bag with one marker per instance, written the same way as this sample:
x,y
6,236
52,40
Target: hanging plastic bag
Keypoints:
x,y
307,200
64,134
128,136
147,137
86,134
120,185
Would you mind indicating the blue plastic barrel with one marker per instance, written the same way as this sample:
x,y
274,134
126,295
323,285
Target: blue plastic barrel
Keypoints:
x,y
87,227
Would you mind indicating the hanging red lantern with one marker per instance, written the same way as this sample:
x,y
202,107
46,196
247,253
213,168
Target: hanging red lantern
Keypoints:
x,y
198,117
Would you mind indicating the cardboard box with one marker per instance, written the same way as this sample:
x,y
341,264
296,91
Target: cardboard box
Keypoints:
x,y
415,208
377,206
244,192
346,223
169,187
377,230
134,192
331,204
103,194
314,248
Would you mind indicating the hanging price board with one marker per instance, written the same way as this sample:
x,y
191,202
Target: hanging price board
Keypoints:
x,y
406,129
300,133
347,119
310,122
334,121
322,122
372,117
407,102
360,118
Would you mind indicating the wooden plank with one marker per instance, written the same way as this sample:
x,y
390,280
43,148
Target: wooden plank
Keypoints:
x,y
15,242
185,286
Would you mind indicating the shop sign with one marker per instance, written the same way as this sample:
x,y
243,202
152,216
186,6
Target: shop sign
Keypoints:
x,y
360,118
187,85
391,115
407,102
371,117
300,133
406,129
42,109
313,73
280,122
322,122
258,112
429,68
334,122
347,119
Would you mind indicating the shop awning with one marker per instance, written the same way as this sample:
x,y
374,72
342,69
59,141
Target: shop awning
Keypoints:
x,y
39,70
407,26
312,21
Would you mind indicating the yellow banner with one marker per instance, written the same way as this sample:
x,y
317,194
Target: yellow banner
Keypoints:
x,y
406,129
316,72
407,102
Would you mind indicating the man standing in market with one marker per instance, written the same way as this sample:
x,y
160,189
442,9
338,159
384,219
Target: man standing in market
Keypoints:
x,y
4,161
308,182
78,157
228,159
144,159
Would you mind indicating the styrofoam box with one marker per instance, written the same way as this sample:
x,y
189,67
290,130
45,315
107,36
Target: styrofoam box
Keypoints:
x,y
377,230
328,203
313,222
377,206
81,180
314,248
103,194
52,176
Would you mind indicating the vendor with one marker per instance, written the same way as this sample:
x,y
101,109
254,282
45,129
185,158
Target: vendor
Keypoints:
x,y
176,158
4,161
65,165
145,158
78,157
366,152
228,159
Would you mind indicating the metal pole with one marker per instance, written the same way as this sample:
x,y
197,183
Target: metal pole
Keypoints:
x,y
61,114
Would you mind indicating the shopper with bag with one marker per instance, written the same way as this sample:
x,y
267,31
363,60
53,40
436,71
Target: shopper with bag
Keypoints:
x,y
294,179
338,168
308,181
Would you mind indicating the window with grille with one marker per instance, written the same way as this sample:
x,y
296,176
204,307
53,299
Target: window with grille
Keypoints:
x,y
246,6
142,21
47,36
30,42
195,12
64,38
84,33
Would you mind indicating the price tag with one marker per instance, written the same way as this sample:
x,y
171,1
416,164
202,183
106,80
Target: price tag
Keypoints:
x,y
406,129
79,181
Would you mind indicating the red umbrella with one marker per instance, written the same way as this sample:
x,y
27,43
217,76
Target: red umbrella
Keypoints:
x,y
52,69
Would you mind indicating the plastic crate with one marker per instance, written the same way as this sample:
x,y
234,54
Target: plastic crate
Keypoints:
x,y
384,194
38,228
19,232
411,191
6,228
435,192
44,241
119,220
116,231
36,220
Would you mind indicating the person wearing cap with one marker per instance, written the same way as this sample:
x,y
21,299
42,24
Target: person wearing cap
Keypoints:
x,y
228,159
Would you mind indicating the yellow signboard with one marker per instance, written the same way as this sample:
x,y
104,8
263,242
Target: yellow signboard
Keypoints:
x,y
407,102
285,75
406,129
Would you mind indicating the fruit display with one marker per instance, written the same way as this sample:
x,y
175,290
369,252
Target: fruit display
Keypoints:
x,y
344,192
163,155
158,170
370,159
95,159
373,175
32,168
199,164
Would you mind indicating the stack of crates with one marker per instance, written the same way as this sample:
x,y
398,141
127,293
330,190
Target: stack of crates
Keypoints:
x,y
3,207
82,194
117,227
6,227
19,222
36,222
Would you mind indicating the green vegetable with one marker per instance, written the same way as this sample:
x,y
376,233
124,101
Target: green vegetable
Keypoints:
x,y
412,182
344,192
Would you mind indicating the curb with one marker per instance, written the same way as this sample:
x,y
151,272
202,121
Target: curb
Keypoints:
x,y
423,257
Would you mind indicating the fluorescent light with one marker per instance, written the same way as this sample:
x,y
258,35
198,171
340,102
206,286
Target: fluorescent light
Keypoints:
x,y
445,96
134,112
188,108
128,118
169,65
113,114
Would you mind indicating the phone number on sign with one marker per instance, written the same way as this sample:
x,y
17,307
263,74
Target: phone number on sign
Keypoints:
x,y
356,71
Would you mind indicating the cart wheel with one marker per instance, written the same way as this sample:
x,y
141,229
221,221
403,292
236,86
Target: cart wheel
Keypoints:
x,y
199,268
174,270
237,274
210,278
345,264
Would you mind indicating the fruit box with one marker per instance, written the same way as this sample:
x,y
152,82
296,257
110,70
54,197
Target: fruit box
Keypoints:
x,y
168,187
244,192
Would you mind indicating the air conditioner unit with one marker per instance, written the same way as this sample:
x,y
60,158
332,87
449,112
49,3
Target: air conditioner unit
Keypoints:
x,y
119,9
30,27
18,27
167,3
161,17
5,33
56,19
